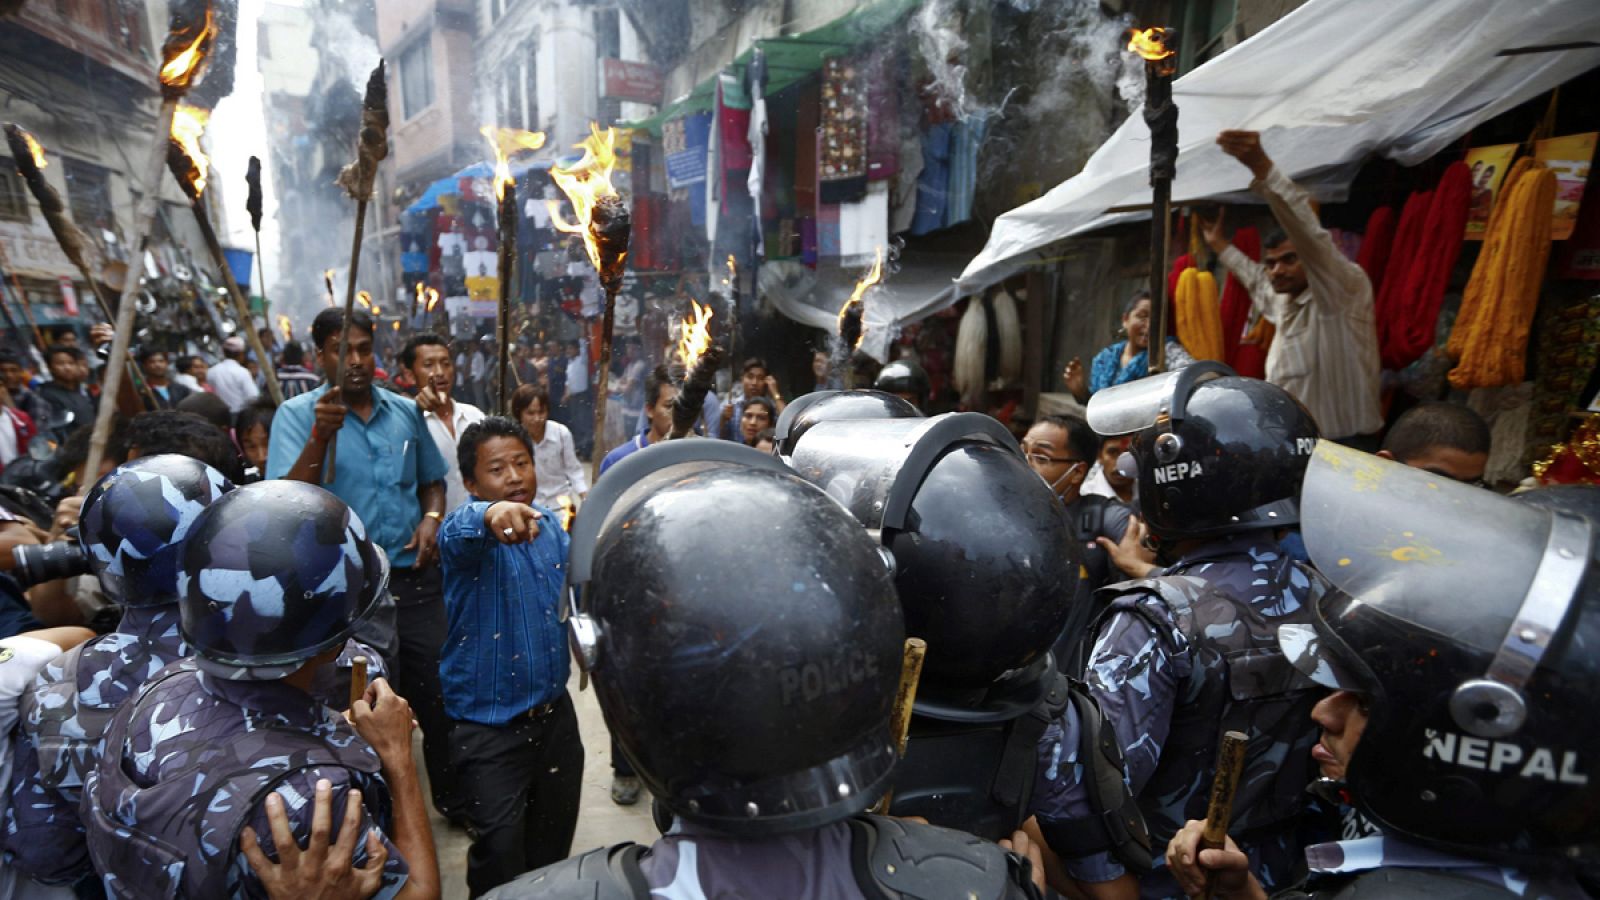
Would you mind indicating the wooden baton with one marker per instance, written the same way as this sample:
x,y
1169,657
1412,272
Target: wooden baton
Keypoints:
x,y
358,679
905,698
1230,764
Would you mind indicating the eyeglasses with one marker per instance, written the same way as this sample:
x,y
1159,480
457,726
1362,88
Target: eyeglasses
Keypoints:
x,y
1039,459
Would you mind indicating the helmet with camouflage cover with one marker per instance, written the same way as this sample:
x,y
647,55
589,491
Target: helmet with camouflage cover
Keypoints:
x,y
134,520
1470,624
274,574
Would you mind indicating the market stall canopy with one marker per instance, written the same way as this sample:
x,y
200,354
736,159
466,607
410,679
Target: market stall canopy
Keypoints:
x,y
1328,85
792,57
451,184
919,285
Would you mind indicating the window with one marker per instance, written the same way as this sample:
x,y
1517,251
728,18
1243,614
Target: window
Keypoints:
x,y
530,81
89,197
13,193
416,77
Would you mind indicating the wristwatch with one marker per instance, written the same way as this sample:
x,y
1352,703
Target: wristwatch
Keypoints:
x,y
435,515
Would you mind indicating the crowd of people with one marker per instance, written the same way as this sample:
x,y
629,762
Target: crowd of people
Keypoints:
x,y
213,659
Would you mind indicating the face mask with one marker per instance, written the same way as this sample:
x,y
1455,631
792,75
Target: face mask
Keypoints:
x,y
1053,485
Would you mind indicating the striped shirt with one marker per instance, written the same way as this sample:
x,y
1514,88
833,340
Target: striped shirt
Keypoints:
x,y
296,380
1326,349
505,650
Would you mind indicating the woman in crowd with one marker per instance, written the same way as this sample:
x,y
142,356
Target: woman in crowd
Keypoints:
x,y
555,455
760,414
1127,359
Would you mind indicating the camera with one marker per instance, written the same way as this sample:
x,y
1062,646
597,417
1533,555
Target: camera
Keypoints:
x,y
37,563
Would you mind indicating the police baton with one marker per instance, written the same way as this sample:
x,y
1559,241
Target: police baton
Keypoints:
x,y
905,698
1230,763
358,679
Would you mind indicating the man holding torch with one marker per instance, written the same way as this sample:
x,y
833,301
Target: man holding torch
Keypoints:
x,y
389,470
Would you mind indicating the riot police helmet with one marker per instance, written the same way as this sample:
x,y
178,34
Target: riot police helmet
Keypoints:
x,y
905,379
1215,453
134,520
831,406
742,634
984,565
273,575
1470,624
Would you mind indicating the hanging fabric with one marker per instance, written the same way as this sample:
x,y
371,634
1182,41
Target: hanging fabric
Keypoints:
x,y
1407,329
1235,311
1490,340
1376,242
1009,326
842,158
1408,238
1197,316
972,347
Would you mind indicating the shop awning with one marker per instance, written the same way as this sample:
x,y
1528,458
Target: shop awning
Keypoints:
x,y
791,58
450,184
1328,85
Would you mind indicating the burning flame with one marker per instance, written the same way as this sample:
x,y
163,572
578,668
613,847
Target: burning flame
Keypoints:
x,y
585,184
568,513
397,325
417,304
285,326
180,69
433,299
696,336
1151,43
874,276
34,148
507,142
188,125
327,282
364,298
376,312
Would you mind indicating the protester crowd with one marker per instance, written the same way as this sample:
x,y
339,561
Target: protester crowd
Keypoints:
x,y
212,661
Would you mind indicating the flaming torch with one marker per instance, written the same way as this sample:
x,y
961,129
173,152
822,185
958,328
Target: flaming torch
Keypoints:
x,y
506,141
699,360
372,145
850,325
733,316
286,328
1161,115
189,165
183,55
252,205
604,222
30,163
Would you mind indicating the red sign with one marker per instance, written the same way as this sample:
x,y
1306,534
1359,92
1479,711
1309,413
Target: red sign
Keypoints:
x,y
69,296
639,82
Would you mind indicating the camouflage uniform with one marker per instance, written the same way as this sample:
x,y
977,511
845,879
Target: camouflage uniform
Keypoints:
x,y
1169,670
834,862
1391,867
63,719
189,763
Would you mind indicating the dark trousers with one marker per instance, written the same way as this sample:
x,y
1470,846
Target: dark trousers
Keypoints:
x,y
521,782
580,413
619,763
421,622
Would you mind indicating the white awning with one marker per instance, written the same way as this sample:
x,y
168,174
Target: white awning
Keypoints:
x,y
1328,85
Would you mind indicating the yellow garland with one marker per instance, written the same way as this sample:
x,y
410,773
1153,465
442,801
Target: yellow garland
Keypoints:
x,y
1490,338
1199,315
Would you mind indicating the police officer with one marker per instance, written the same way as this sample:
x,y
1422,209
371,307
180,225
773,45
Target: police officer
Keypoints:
x,y
131,528
274,579
1460,643
905,379
751,692
1180,658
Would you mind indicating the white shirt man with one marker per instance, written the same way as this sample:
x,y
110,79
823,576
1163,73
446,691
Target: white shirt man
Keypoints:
x,y
555,462
1325,352
427,358
230,380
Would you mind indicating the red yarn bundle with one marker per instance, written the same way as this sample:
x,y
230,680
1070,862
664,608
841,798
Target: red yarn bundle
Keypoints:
x,y
1420,266
1376,242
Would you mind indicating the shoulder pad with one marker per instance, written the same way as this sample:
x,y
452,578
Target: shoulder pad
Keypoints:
x,y
1395,883
913,861
1117,825
606,873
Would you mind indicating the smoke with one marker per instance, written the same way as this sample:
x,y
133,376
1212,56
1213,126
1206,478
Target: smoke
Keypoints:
x,y
938,29
344,43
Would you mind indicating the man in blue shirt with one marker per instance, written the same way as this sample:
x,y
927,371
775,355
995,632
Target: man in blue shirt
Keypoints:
x,y
515,743
659,392
388,469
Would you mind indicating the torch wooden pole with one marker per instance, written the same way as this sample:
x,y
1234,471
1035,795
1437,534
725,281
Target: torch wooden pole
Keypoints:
x,y
241,306
602,378
507,262
358,679
344,328
1230,764
1161,116
122,334
905,699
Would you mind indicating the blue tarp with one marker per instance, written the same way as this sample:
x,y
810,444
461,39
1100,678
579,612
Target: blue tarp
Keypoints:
x,y
449,184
